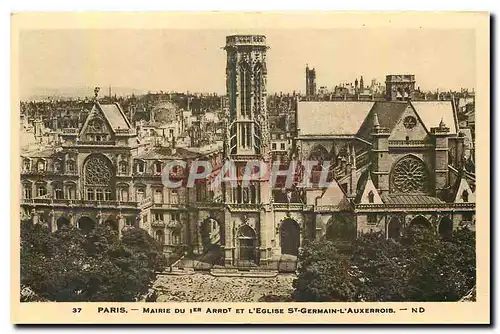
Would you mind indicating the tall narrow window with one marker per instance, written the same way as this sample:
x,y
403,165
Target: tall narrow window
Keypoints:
x,y
107,194
371,196
465,196
90,194
243,74
71,192
123,194
158,197
70,165
123,167
253,194
174,198
27,191
140,194
99,194
58,192
41,166
243,139
238,194
248,136
157,167
26,165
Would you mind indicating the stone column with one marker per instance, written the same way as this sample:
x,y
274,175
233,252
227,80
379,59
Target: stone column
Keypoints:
x,y
266,234
52,221
35,216
71,218
229,247
121,223
99,218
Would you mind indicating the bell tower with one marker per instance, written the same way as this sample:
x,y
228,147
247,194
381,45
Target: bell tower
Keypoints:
x,y
247,130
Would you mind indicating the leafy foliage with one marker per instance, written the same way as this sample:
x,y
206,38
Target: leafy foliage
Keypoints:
x,y
68,265
419,267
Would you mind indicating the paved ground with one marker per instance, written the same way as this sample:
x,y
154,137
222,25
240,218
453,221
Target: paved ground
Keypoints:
x,y
204,287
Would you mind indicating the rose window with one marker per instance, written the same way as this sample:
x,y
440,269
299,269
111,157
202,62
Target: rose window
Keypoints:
x,y
409,176
98,172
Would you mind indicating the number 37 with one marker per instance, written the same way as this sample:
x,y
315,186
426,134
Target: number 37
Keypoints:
x,y
76,310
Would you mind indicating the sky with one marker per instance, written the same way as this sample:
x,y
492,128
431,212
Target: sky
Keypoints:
x,y
193,60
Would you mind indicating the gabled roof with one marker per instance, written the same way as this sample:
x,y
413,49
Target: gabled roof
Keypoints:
x,y
459,187
364,187
334,195
114,115
388,112
432,112
335,118
40,153
331,117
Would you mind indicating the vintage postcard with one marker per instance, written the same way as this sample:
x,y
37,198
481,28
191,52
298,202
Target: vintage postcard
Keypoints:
x,y
250,168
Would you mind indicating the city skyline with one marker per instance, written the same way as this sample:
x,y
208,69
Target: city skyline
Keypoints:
x,y
192,60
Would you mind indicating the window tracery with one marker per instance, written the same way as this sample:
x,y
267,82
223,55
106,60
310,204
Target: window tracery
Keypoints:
x,y
98,172
409,175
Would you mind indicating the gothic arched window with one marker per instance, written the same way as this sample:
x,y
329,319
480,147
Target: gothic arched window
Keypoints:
x,y
409,175
371,197
465,196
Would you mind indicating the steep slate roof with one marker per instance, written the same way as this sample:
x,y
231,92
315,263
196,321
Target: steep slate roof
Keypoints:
x,y
431,113
40,153
115,116
165,153
356,117
410,199
388,115
331,117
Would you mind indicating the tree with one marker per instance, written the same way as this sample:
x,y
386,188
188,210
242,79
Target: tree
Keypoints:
x,y
71,266
419,267
323,274
381,268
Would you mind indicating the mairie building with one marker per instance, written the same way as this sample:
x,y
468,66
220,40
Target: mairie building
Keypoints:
x,y
392,165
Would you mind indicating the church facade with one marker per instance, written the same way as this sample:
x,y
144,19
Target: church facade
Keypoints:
x,y
392,165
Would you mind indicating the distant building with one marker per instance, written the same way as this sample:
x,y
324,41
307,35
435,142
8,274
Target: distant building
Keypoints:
x,y
400,87
310,81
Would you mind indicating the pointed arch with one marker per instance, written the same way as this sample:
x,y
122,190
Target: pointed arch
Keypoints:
x,y
62,222
290,237
247,240
394,228
445,227
86,224
340,229
420,222
245,88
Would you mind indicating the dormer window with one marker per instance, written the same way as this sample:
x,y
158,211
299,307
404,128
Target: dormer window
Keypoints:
x,y
371,197
465,196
